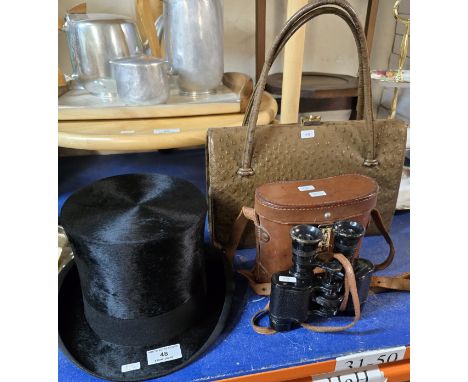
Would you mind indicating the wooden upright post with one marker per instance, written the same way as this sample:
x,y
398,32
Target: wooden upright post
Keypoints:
x,y
292,69
260,22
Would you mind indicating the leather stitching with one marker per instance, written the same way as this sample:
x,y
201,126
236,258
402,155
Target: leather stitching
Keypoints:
x,y
317,207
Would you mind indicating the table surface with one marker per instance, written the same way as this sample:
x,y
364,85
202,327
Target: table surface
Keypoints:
x,y
239,350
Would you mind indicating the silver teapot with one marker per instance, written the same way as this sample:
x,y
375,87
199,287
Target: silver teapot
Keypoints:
x,y
93,40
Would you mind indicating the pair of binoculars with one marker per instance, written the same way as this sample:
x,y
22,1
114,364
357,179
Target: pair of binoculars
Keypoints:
x,y
297,295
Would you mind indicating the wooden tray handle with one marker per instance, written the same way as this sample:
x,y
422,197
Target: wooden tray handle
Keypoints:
x,y
145,15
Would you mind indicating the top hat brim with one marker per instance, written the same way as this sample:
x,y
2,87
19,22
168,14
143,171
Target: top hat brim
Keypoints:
x,y
105,359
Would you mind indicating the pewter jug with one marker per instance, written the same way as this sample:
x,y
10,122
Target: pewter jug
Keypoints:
x,y
193,40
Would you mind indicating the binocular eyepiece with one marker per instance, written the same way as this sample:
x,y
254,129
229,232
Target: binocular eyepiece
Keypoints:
x,y
298,294
306,237
305,242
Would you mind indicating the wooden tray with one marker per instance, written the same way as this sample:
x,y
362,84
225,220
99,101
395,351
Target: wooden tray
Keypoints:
x,y
152,133
231,97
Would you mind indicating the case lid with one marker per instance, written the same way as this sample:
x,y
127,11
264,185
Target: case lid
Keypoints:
x,y
317,201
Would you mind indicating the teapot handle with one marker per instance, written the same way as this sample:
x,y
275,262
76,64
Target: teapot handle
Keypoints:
x,y
62,78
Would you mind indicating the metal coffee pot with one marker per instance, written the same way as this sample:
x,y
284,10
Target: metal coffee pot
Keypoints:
x,y
193,39
93,40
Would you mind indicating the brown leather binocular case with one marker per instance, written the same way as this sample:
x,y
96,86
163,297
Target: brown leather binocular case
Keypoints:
x,y
281,205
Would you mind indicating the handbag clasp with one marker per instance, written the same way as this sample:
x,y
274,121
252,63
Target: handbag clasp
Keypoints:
x,y
310,120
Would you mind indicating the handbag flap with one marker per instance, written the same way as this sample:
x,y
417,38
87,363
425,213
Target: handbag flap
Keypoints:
x,y
319,200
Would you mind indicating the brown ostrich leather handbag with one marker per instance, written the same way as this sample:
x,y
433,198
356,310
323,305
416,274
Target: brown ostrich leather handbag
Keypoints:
x,y
281,205
240,159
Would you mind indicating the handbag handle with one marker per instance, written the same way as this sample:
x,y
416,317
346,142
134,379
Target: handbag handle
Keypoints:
x,y
304,15
274,54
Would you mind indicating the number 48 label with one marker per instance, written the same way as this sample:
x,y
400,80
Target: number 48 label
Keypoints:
x,y
164,354
375,357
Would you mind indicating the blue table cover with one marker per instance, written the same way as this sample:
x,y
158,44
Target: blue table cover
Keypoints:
x,y
241,351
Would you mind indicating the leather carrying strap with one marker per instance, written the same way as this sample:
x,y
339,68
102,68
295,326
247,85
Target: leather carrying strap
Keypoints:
x,y
295,22
238,228
377,218
263,289
350,288
378,284
383,284
246,214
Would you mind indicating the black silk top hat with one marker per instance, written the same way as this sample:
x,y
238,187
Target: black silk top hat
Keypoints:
x,y
144,296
